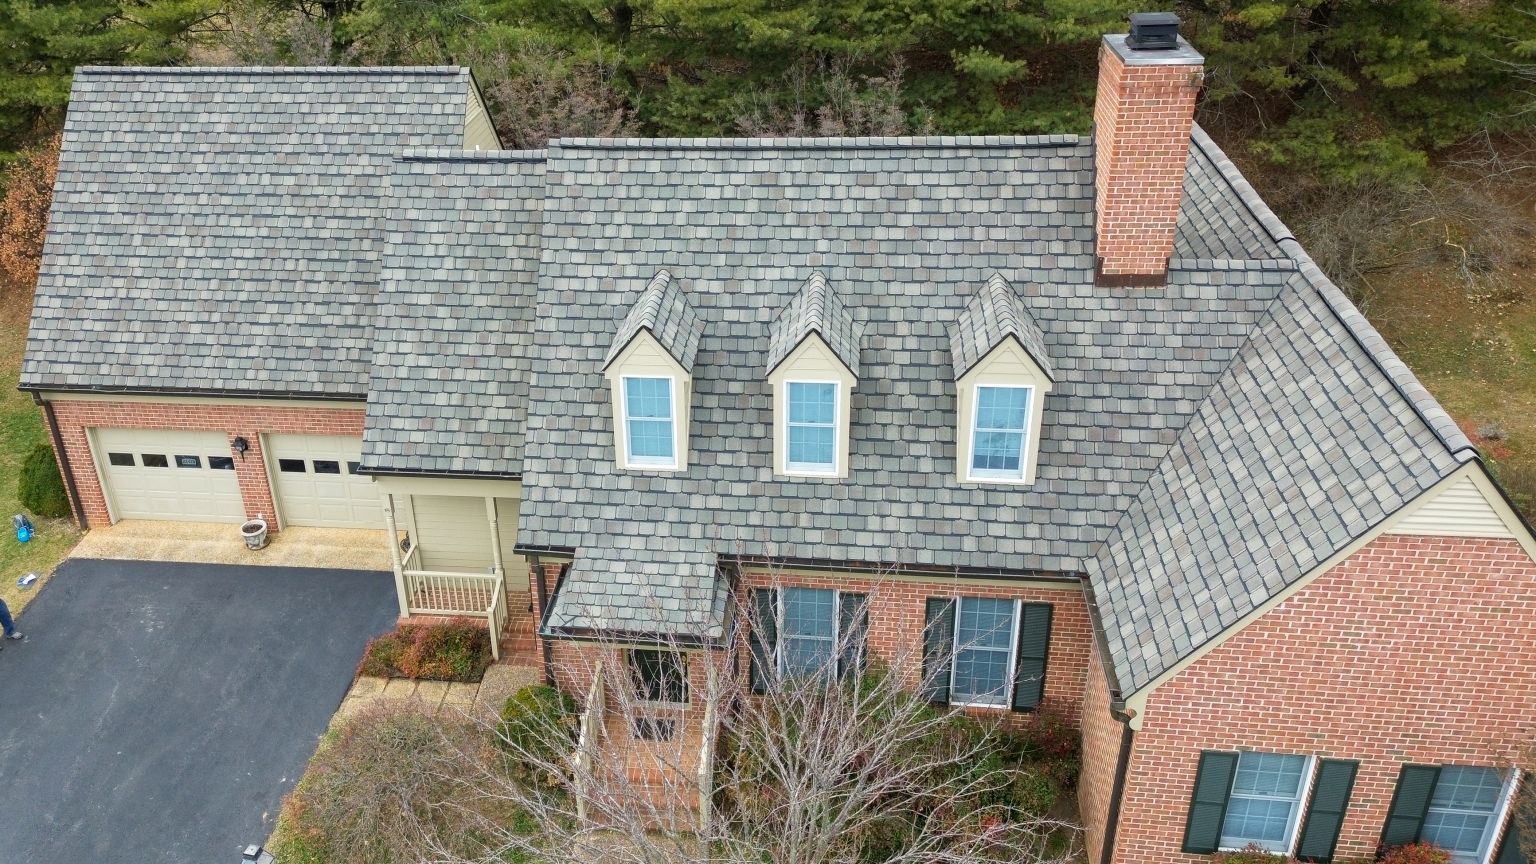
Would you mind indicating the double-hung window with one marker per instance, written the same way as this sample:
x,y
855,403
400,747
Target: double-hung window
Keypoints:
x,y
999,431
1463,812
982,651
811,428
807,632
1266,801
984,638
649,424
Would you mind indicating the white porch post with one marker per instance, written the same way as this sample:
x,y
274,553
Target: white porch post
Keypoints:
x,y
394,554
490,514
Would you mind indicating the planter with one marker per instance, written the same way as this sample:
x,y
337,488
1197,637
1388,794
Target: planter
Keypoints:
x,y
255,533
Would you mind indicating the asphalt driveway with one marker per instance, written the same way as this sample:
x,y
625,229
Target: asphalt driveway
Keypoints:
x,y
159,712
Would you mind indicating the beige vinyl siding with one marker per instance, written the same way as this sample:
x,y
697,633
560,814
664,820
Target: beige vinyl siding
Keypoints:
x,y
479,134
1461,510
813,360
454,533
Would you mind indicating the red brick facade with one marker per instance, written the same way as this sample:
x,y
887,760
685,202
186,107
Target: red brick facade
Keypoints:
x,y
246,421
1142,119
1101,756
1413,650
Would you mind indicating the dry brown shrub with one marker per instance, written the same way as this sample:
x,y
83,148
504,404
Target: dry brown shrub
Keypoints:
x,y
537,94
24,217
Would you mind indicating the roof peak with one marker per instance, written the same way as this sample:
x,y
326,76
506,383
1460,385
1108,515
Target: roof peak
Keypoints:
x,y
993,314
815,308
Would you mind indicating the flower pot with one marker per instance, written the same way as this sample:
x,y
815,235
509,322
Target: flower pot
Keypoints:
x,y
255,533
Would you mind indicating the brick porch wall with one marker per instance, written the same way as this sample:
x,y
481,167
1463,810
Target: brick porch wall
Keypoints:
x,y
1415,649
248,421
897,608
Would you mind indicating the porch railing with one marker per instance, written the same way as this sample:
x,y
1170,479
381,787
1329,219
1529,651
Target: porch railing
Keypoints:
x,y
470,595
707,766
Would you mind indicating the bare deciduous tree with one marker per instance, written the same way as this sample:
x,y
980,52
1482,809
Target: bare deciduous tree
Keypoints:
x,y
843,106
24,216
537,94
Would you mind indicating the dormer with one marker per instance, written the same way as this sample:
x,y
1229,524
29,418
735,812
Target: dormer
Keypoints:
x,y
1002,374
650,378
813,366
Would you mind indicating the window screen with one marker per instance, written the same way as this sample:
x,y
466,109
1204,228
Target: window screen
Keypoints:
x,y
648,417
1265,801
998,443
1461,812
983,652
812,426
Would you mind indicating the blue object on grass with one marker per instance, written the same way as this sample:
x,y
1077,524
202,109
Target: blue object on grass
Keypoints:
x,y
24,530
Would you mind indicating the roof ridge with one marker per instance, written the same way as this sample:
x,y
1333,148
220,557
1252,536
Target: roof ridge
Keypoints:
x,y
815,308
1364,333
827,143
987,319
272,70
457,154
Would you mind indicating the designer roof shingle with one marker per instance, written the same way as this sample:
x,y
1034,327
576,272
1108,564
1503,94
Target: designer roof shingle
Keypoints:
x,y
219,229
629,586
663,311
449,382
815,308
993,314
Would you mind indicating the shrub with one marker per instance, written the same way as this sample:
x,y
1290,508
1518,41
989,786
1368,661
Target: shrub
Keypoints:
x,y
388,785
538,726
1416,853
41,487
458,650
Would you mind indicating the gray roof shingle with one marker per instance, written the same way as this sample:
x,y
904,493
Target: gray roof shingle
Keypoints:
x,y
219,229
663,311
993,314
815,308
633,587
455,310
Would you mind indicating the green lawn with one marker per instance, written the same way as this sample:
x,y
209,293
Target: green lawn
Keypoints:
x,y
21,429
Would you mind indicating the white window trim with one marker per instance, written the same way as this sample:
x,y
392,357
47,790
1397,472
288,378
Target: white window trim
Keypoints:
x,y
1013,657
1303,793
837,626
642,463
834,470
971,474
1497,824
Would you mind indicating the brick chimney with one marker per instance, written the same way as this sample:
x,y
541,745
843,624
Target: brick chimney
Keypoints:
x,y
1142,115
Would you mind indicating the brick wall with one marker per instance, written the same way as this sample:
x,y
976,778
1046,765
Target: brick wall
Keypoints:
x,y
1101,754
1142,119
247,421
1415,649
898,606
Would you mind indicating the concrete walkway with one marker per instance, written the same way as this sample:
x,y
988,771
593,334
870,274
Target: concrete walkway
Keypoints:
x,y
210,543
482,701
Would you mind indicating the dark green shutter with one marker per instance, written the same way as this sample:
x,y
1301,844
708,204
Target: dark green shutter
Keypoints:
x,y
1208,806
1034,644
938,648
852,633
1410,804
1325,815
1510,852
764,637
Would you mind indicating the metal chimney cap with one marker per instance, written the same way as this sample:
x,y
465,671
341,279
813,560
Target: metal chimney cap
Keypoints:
x,y
1153,31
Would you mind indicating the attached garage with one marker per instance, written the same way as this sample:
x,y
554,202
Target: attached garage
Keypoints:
x,y
317,485
172,475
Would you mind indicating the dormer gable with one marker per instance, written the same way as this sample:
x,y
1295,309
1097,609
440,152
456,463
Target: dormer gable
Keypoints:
x,y
1002,373
649,367
813,368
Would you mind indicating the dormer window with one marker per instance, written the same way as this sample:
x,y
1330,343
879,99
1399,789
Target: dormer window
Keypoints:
x,y
1001,429
813,363
1002,374
812,427
650,378
650,428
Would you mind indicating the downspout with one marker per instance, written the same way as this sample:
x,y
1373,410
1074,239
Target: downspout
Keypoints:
x,y
1118,711
69,472
546,653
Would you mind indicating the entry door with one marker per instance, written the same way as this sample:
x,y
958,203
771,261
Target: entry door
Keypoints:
x,y
173,475
317,483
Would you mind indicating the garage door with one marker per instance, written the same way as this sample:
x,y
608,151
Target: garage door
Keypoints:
x,y
318,484
160,474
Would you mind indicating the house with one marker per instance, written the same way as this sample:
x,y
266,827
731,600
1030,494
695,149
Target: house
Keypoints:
x,y
1088,394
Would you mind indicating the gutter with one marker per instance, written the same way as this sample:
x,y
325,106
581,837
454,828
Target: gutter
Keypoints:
x,y
219,392
69,472
365,471
890,569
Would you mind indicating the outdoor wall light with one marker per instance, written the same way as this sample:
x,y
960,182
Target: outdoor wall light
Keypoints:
x,y
242,445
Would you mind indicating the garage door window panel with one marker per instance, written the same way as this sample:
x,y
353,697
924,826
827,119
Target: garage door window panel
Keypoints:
x,y
221,463
291,466
326,466
155,460
189,462
120,459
